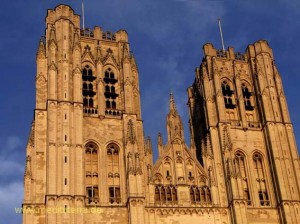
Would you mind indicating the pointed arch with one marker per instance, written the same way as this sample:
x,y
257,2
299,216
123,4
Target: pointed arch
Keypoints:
x,y
87,56
228,93
158,178
190,169
260,177
111,90
247,95
113,169
91,151
89,89
165,194
179,164
167,167
241,170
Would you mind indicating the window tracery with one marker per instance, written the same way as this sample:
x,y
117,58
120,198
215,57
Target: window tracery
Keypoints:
x,y
110,92
200,194
91,176
247,97
165,194
113,169
241,171
261,180
88,92
228,95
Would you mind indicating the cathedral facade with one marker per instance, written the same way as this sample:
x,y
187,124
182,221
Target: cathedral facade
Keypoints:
x,y
89,162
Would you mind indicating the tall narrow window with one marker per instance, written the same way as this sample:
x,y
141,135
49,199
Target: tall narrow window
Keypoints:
x,y
91,175
110,92
247,97
165,194
88,90
240,166
157,193
228,95
261,180
200,194
168,194
207,194
114,195
113,169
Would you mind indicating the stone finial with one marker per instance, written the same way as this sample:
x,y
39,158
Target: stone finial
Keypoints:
x,y
149,145
174,123
160,140
41,52
160,143
173,109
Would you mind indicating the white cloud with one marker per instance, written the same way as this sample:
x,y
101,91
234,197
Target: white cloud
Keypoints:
x,y
11,167
11,197
11,160
12,143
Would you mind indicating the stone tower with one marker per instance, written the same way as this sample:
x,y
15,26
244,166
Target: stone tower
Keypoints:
x,y
86,143
238,112
88,161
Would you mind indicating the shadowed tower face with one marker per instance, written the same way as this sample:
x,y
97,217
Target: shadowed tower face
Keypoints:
x,y
238,113
87,150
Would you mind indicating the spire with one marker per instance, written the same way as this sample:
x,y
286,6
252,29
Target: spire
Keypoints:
x,y
174,123
160,141
173,109
160,144
149,145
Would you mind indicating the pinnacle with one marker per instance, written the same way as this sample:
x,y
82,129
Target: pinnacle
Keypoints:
x,y
172,104
41,48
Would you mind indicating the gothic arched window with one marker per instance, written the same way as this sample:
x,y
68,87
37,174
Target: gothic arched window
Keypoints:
x,y
91,176
113,169
165,194
240,167
261,180
200,194
110,91
247,96
228,95
88,92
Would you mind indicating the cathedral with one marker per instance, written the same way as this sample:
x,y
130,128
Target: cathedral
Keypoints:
x,y
88,162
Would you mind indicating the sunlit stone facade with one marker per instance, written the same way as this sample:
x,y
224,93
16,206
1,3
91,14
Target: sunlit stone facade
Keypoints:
x,y
89,162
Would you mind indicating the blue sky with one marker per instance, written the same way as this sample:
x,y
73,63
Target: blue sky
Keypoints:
x,y
166,37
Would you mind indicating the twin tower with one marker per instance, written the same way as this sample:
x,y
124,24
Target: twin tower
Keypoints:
x,y
88,161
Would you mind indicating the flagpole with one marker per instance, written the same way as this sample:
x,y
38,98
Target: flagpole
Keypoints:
x,y
223,48
82,8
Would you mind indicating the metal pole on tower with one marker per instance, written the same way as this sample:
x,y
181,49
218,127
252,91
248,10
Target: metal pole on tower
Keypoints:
x,y
221,34
82,6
